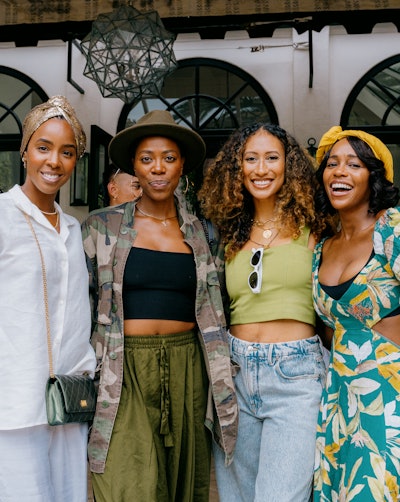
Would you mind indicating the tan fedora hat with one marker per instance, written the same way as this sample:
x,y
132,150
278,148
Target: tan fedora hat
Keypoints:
x,y
157,123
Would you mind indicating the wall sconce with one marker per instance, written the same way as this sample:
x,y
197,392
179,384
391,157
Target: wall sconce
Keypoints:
x,y
79,182
128,53
312,149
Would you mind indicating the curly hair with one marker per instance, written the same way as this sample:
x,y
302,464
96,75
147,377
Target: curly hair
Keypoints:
x,y
383,194
228,204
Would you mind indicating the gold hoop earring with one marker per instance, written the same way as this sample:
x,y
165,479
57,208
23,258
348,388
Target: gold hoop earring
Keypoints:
x,y
187,185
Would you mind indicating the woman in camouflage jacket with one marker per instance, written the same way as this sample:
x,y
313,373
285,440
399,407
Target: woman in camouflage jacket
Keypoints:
x,y
109,235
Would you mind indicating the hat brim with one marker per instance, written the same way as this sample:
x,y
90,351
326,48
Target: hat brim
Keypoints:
x,y
192,146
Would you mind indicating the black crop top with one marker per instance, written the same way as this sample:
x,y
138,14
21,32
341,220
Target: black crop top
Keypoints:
x,y
336,292
159,285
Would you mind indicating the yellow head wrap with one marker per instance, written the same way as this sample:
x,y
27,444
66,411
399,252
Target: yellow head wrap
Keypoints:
x,y
379,149
57,106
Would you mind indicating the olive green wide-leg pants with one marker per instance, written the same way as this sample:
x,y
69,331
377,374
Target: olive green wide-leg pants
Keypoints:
x,y
160,448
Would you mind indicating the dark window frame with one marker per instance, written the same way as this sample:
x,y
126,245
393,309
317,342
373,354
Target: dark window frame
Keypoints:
x,y
212,137
12,142
387,133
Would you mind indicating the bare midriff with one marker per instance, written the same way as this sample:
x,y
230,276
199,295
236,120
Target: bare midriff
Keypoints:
x,y
389,327
137,327
278,331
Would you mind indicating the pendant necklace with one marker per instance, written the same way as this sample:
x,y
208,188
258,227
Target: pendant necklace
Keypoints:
x,y
267,232
266,246
163,220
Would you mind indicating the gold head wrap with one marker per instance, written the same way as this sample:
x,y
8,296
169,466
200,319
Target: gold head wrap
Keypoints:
x,y
57,106
379,149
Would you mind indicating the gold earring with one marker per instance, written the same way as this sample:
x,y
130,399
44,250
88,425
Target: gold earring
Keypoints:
x,y
187,185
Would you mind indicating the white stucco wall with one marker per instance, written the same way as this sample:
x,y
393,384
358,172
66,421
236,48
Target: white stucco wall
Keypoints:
x,y
282,68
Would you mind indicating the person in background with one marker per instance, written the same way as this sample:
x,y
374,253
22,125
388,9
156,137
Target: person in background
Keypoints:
x,y
119,186
259,193
159,329
40,463
356,288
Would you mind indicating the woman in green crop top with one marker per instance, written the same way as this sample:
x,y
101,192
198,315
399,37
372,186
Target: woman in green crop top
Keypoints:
x,y
259,192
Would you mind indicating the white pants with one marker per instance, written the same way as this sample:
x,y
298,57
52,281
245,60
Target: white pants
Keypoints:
x,y
44,464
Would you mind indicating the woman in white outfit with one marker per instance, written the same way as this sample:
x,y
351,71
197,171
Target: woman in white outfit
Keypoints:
x,y
40,463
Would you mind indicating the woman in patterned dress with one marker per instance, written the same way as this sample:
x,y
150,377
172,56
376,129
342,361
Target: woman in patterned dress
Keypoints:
x,y
356,289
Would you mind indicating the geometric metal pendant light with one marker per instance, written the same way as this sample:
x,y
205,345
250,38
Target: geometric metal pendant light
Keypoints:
x,y
129,53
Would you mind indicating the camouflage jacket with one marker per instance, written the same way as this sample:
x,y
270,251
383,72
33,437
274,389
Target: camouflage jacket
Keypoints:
x,y
107,236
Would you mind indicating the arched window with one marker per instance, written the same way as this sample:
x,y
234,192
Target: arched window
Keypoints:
x,y
19,94
212,97
374,106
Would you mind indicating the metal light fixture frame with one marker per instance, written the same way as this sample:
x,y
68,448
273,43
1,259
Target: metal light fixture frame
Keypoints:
x,y
129,53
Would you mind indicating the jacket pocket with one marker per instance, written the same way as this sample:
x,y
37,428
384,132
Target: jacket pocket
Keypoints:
x,y
104,306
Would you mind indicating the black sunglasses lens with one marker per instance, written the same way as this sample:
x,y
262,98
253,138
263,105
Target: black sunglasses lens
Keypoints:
x,y
253,280
255,259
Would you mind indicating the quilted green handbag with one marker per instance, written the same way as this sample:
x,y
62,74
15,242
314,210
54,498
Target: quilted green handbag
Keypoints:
x,y
70,398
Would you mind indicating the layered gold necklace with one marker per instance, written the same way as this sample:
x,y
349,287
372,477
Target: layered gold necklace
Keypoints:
x,y
269,233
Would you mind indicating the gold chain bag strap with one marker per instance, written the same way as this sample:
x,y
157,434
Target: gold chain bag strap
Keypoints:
x,y
69,398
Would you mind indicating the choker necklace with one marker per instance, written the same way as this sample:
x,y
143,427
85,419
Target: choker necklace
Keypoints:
x,y
260,223
163,220
55,225
49,214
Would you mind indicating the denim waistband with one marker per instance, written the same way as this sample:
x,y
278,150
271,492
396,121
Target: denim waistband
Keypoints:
x,y
276,350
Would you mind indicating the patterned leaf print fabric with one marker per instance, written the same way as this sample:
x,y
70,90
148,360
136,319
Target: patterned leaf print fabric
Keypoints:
x,y
358,435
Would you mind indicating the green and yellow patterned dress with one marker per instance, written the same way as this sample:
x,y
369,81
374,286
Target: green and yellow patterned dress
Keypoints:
x,y
358,435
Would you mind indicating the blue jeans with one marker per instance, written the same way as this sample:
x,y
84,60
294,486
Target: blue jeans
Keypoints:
x,y
279,389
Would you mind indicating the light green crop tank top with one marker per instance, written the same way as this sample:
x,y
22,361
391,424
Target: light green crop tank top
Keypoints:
x,y
286,284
